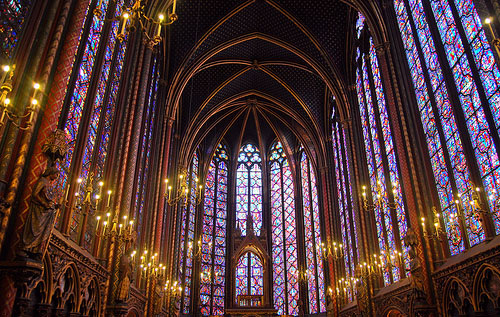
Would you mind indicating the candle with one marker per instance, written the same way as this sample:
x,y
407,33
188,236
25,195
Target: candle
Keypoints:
x,y
79,182
125,18
109,198
5,69
101,184
169,191
423,224
36,86
97,226
66,194
487,21
161,17
34,102
173,7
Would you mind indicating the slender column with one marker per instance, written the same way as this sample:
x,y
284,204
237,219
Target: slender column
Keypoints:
x,y
8,294
405,157
164,170
17,164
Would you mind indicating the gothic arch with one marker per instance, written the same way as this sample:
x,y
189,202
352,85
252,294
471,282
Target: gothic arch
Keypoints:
x,y
486,289
456,298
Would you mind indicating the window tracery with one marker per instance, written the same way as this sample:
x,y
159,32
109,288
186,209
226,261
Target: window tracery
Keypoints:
x,y
213,253
455,26
385,189
284,233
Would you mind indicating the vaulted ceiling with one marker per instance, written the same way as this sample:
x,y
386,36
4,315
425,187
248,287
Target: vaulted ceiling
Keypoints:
x,y
257,69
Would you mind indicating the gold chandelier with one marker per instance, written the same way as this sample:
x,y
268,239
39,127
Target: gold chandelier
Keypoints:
x,y
134,17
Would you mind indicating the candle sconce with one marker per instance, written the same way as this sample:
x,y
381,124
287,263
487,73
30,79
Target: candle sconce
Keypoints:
x,y
172,293
345,288
182,192
6,106
379,198
197,248
87,199
438,231
150,266
134,17
331,250
303,275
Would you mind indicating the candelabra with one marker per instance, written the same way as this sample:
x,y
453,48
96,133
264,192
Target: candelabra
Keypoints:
x,y
6,106
182,192
172,292
197,248
379,200
150,267
437,232
134,17
303,274
345,288
331,250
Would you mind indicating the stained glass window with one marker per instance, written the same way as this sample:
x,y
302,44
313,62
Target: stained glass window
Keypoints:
x,y
213,251
314,264
102,114
284,234
249,188
187,239
475,74
346,212
249,275
12,15
100,109
382,165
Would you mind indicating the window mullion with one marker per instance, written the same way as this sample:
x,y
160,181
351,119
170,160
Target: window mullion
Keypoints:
x,y
390,195
371,140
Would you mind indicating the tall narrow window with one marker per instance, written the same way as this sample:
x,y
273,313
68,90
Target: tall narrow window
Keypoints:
x,y
249,275
382,165
284,234
12,15
187,237
213,258
249,188
98,111
467,57
314,264
346,211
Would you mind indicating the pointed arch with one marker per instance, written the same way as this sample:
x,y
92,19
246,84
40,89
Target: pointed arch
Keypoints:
x,y
249,188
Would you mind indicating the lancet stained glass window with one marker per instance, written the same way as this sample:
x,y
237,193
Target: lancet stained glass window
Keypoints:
x,y
12,15
468,56
346,212
314,264
381,161
249,188
187,243
213,251
102,114
284,234
99,108
249,275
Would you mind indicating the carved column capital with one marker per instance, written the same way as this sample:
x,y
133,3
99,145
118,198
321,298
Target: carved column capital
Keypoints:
x,y
382,47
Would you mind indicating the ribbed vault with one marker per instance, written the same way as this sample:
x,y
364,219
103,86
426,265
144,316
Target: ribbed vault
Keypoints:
x,y
236,66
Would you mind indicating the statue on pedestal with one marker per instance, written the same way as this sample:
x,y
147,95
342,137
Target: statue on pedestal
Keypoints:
x,y
41,216
125,271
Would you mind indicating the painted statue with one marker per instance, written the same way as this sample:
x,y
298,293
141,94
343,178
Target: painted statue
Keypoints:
x,y
41,216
